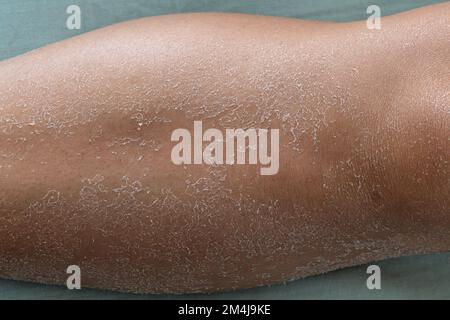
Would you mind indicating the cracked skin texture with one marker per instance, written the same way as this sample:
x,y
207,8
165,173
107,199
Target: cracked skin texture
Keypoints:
x,y
86,176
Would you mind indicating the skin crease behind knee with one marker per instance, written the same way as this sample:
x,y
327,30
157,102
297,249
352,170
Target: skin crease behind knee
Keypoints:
x,y
86,176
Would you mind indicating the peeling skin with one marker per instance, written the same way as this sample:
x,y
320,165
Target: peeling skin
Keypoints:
x,y
86,176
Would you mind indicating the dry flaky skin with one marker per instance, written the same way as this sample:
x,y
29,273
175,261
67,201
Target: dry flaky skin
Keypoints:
x,y
86,176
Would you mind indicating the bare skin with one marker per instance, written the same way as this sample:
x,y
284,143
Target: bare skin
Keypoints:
x,y
86,176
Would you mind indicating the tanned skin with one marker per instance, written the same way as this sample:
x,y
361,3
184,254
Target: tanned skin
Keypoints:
x,y
86,176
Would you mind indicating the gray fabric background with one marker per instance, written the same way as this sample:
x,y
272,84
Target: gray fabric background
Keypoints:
x,y
29,24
